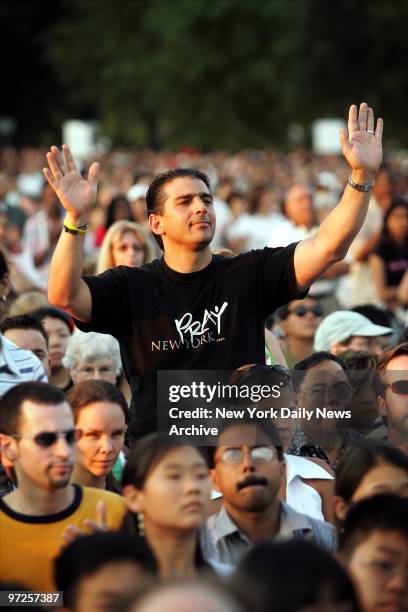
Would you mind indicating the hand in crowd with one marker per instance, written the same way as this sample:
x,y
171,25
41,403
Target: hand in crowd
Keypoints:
x,y
76,194
72,532
363,147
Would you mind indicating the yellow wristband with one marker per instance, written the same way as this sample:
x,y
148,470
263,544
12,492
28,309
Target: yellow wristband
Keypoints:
x,y
72,229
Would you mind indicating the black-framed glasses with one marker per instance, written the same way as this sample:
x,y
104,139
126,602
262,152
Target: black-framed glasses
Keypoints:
x,y
301,311
45,439
258,454
399,387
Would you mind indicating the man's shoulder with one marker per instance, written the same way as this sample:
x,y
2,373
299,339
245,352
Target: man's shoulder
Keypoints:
x,y
113,500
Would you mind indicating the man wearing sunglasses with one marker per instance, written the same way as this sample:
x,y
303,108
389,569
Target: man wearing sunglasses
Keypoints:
x,y
247,470
299,319
37,436
393,395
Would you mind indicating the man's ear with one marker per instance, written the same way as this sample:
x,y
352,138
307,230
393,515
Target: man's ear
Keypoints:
x,y
340,507
8,448
134,498
214,480
382,405
156,224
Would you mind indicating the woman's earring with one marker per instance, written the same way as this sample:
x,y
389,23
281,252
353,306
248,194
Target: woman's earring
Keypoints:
x,y
140,524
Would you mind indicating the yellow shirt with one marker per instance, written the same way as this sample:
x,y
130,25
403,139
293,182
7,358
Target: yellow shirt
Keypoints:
x,y
29,544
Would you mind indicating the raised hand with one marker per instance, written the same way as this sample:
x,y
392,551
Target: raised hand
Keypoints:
x,y
363,147
72,532
76,194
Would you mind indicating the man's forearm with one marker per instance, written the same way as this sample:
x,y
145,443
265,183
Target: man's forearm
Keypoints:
x,y
342,225
66,267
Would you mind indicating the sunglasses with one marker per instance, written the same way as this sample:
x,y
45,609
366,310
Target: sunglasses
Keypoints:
x,y
300,311
258,454
45,439
399,387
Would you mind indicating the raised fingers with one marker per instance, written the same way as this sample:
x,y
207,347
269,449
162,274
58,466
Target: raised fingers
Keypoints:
x,y
352,119
362,116
53,163
69,160
379,128
370,119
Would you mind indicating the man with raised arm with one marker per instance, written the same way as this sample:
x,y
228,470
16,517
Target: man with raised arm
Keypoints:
x,y
191,309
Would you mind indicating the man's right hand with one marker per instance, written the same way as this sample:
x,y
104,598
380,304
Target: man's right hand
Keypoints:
x,y
76,194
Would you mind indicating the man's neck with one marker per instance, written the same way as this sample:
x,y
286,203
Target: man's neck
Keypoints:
x,y
86,479
298,348
397,438
175,550
186,261
33,501
257,526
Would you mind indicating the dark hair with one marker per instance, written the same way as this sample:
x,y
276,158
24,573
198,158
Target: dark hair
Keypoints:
x,y
300,369
4,269
376,513
110,212
155,196
358,460
53,313
24,321
90,391
376,315
88,554
11,402
396,351
403,337
395,203
287,576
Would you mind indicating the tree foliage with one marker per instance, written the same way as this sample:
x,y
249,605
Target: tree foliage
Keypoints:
x,y
226,73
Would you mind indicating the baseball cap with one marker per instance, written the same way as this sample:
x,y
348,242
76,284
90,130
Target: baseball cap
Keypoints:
x,y
343,324
137,191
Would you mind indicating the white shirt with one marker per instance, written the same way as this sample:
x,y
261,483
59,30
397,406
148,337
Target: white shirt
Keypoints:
x,y
18,365
299,495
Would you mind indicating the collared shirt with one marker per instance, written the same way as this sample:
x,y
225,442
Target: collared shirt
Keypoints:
x,y
303,445
17,365
222,540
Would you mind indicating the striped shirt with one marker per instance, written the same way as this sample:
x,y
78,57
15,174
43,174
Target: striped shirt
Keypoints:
x,y
17,365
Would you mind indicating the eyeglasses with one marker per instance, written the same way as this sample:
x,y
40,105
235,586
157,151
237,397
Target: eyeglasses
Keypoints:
x,y
382,567
259,454
399,387
45,439
300,311
122,248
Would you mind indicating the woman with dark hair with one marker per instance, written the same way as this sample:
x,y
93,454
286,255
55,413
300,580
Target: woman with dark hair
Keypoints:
x,y
367,470
167,490
389,261
118,210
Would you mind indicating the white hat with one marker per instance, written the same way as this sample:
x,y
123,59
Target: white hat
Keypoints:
x,y
136,191
343,324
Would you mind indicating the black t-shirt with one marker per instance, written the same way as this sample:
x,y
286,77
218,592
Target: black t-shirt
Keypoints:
x,y
395,261
208,320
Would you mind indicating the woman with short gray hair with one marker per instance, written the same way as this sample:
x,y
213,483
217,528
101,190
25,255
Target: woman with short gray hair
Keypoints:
x,y
93,356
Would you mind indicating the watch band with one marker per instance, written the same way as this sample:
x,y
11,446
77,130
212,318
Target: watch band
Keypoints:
x,y
360,186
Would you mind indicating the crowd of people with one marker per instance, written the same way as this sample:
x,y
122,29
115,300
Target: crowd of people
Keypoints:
x,y
284,509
